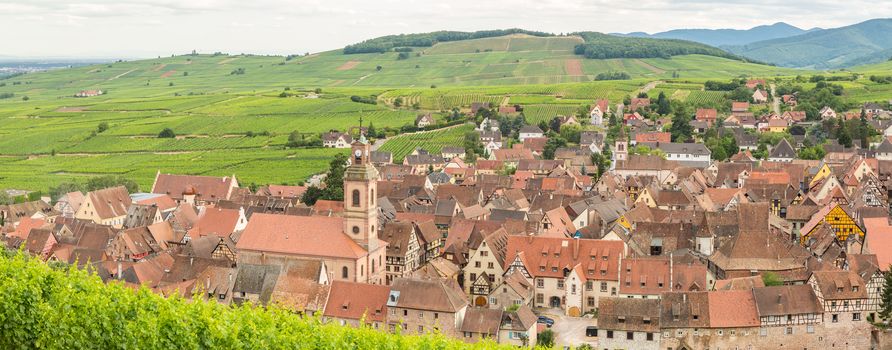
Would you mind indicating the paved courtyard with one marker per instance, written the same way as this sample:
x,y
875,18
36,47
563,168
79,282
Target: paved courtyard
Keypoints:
x,y
569,331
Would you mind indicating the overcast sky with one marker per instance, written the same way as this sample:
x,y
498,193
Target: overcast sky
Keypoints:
x,y
147,28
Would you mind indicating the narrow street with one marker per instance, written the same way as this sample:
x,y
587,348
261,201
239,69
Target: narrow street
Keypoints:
x,y
775,101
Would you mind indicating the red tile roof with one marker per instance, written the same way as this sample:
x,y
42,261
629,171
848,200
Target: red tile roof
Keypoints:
x,y
299,235
549,256
215,221
732,308
878,239
707,114
286,191
110,202
163,202
355,301
207,188
653,137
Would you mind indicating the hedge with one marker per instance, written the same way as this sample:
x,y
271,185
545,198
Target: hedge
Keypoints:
x,y
66,308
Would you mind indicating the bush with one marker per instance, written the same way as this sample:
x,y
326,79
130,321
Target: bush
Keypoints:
x,y
102,127
372,100
67,308
167,133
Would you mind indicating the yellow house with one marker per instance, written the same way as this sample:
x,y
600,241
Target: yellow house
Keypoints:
x,y
836,217
646,198
822,173
105,207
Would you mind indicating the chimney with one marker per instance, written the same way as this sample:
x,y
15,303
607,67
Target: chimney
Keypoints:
x,y
671,275
191,260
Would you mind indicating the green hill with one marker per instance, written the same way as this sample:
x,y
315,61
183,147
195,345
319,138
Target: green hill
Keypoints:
x,y
64,308
229,117
862,43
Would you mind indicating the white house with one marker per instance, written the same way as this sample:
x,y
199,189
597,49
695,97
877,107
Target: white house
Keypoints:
x,y
530,131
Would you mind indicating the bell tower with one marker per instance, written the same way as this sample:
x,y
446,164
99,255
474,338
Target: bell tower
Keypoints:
x,y
620,149
360,196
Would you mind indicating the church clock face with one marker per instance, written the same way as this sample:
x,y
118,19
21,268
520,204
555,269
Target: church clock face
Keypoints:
x,y
357,154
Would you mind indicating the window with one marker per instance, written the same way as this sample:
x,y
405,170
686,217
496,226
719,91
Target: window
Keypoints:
x,y
540,283
355,200
355,230
405,313
609,334
590,301
834,318
588,285
420,329
477,264
483,252
719,332
788,330
436,315
345,272
763,332
420,314
856,316
650,336
630,335
560,284
540,298
490,265
810,329
493,301
603,286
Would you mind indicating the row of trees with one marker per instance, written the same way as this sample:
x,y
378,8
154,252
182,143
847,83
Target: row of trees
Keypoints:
x,y
402,41
603,46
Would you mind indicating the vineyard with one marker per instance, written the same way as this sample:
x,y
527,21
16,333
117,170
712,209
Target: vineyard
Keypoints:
x,y
67,308
432,141
544,113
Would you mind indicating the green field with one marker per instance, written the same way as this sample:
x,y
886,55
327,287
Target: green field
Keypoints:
x,y
212,102
431,141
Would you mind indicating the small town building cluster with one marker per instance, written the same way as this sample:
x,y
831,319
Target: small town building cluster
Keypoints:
x,y
671,251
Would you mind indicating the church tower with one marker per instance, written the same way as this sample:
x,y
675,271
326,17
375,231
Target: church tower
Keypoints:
x,y
360,197
620,149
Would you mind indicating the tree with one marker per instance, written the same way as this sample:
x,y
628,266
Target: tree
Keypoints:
x,y
663,107
545,339
334,183
371,131
5,198
167,133
553,143
681,124
102,127
108,181
843,135
63,188
555,124
771,279
864,130
886,298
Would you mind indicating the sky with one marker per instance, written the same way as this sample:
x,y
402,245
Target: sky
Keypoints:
x,y
149,28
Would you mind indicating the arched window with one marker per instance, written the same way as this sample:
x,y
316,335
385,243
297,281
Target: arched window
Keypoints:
x,y
344,272
361,270
355,198
372,198
373,266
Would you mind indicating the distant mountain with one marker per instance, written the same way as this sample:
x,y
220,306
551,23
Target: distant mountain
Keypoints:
x,y
727,37
862,43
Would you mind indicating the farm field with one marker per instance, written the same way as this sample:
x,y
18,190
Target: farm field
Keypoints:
x,y
228,116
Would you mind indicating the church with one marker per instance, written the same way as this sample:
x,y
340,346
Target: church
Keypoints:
x,y
348,245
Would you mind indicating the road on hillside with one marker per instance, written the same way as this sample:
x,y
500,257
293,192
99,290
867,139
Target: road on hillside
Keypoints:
x,y
775,101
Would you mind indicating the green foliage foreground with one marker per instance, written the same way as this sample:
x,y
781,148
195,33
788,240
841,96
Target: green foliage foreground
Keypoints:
x,y
43,307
